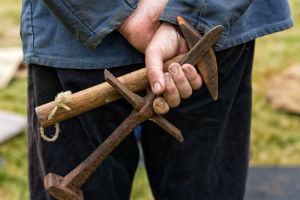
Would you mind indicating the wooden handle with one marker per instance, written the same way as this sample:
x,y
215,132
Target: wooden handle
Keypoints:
x,y
96,96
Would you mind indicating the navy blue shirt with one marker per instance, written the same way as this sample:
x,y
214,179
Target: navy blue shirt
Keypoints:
x,y
81,33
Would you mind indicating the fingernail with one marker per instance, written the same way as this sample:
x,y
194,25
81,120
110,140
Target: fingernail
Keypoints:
x,y
174,69
156,87
167,77
186,70
161,104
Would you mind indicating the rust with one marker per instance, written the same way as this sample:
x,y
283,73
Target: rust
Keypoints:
x,y
103,93
208,64
68,187
202,46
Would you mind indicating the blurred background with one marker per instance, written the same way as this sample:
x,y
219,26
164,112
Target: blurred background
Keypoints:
x,y
275,140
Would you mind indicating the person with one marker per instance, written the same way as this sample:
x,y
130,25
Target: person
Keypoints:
x,y
68,43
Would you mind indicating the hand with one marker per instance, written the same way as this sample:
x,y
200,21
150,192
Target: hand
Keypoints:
x,y
141,25
180,81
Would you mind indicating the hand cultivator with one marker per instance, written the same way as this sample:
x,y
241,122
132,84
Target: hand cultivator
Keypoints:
x,y
200,54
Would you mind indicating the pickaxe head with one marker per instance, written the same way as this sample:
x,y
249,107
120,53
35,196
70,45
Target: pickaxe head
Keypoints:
x,y
207,65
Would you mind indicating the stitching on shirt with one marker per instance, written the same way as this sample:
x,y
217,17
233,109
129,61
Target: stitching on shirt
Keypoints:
x,y
258,32
31,21
106,27
131,3
116,14
62,63
251,35
202,7
46,57
201,13
78,18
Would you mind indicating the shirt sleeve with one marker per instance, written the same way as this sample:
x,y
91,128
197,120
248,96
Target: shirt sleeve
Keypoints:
x,y
206,14
89,20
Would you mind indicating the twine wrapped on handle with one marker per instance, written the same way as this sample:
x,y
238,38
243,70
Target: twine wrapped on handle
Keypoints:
x,y
60,101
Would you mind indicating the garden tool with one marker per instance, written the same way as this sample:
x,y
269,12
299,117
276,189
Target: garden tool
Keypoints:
x,y
68,187
103,93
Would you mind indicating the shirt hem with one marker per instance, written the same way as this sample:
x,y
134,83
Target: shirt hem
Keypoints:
x,y
226,42
84,64
78,64
256,33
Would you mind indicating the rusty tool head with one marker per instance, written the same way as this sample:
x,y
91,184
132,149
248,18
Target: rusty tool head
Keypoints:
x,y
101,94
138,103
68,187
54,185
207,65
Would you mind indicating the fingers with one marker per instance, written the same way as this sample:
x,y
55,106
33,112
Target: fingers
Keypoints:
x,y
160,106
176,84
192,76
166,43
154,65
180,83
171,93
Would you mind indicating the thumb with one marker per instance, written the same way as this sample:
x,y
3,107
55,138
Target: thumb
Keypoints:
x,y
165,44
154,65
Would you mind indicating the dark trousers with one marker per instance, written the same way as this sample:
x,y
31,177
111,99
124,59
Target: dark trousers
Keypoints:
x,y
211,164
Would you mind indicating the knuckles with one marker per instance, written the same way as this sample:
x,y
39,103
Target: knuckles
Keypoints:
x,y
192,77
187,94
170,88
172,101
153,75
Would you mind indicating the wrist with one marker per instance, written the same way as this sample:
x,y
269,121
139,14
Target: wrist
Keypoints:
x,y
144,17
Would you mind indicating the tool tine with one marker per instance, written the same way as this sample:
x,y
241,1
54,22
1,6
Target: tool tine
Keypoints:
x,y
167,126
191,35
207,65
209,72
202,46
135,100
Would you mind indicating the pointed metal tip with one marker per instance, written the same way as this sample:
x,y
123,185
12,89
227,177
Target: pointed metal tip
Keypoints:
x,y
107,74
213,91
215,98
180,20
178,136
180,139
168,127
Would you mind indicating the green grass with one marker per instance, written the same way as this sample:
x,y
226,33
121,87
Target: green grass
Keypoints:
x,y
275,136
141,189
14,97
10,19
13,172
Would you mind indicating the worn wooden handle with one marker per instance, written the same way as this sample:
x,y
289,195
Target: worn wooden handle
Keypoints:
x,y
96,96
